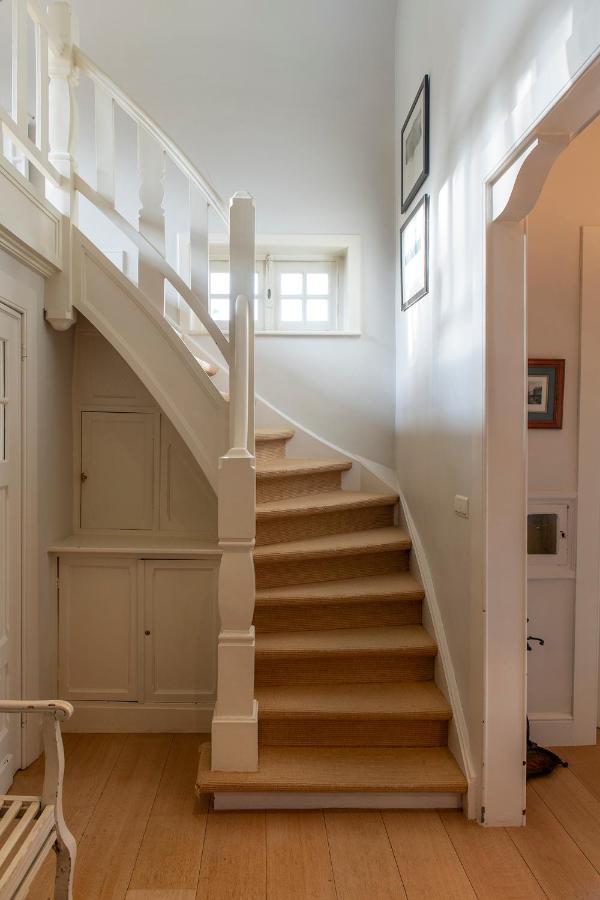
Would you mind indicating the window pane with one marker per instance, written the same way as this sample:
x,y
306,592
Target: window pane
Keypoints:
x,y
291,309
292,283
317,283
317,309
219,283
219,308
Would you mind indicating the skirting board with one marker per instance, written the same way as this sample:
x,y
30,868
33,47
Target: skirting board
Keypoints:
x,y
288,800
553,731
139,718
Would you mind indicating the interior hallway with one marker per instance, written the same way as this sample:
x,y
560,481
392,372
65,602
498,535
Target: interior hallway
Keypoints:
x,y
141,834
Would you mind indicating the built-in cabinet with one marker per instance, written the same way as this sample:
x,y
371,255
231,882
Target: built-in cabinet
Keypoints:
x,y
137,631
137,579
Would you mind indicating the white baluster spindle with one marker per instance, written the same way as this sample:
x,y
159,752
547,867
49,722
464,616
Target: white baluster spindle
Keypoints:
x,y
151,223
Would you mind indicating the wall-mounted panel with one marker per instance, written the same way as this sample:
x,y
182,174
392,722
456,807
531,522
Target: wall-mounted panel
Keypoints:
x,y
102,376
188,504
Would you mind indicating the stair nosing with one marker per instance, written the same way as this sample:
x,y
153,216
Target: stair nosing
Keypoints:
x,y
267,470
300,594
441,713
291,508
316,548
427,647
267,435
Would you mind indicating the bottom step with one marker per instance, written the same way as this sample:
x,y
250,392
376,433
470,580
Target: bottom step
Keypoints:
x,y
372,800
341,770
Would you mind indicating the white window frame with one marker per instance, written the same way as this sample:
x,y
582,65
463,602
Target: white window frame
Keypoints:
x,y
344,249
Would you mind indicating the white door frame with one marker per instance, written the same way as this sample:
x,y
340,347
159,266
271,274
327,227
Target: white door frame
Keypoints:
x,y
23,300
511,191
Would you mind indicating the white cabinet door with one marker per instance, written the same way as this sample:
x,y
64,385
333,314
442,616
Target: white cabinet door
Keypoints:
x,y
118,452
180,627
99,630
10,540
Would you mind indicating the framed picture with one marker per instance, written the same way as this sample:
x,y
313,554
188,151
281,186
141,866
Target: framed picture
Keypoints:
x,y
414,254
545,391
414,142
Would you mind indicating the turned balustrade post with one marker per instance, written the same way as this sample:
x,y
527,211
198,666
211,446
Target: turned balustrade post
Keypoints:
x,y
62,134
235,722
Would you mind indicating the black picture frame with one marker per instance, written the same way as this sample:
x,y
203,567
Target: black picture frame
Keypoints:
x,y
407,302
423,91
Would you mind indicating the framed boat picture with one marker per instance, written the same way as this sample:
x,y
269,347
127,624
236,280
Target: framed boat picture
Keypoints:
x,y
414,144
414,254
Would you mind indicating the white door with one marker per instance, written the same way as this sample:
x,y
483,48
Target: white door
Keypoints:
x,y
10,540
118,467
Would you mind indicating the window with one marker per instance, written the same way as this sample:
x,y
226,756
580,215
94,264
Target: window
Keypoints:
x,y
290,295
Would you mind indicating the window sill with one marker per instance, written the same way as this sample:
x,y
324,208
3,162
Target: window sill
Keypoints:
x,y
314,334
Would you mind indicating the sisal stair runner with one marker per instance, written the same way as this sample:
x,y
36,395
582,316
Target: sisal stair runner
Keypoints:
x,y
344,668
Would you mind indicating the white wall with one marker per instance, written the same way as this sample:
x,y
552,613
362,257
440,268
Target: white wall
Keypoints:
x,y
494,67
50,357
569,200
294,103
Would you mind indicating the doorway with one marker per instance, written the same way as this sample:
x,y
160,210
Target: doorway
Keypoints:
x,y
10,537
512,190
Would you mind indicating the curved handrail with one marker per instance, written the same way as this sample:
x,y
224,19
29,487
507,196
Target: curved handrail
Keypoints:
x,y
145,246
241,374
95,73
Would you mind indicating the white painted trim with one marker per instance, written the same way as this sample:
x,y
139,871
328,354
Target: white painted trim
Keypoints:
x,y
587,591
458,735
33,237
551,729
137,718
505,610
295,800
23,300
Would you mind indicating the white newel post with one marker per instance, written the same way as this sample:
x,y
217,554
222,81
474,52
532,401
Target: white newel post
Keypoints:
x,y
235,722
62,133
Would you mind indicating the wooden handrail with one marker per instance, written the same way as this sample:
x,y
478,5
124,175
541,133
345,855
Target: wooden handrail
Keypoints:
x,y
95,73
239,377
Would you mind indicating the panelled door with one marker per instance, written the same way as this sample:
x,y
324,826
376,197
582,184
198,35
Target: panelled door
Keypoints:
x,y
10,539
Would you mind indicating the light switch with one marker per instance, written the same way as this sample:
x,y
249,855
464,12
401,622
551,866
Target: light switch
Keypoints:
x,y
461,506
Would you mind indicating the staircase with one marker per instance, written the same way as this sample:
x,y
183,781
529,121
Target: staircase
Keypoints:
x,y
344,668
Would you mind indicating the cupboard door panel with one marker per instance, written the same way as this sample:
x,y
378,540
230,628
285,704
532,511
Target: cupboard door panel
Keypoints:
x,y
118,464
98,629
180,614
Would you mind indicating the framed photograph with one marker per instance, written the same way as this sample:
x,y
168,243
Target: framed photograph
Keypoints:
x,y
414,143
545,391
414,254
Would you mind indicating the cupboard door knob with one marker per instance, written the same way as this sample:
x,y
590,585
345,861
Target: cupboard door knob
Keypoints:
x,y
146,632
84,477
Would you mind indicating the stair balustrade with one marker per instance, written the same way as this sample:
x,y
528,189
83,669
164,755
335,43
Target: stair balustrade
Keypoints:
x,y
49,153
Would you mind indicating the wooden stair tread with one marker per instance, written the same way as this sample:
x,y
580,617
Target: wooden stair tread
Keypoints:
x,y
396,586
210,368
340,769
286,467
411,700
312,504
263,435
411,640
370,541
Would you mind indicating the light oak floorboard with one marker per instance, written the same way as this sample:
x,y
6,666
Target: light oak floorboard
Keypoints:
x,y
177,823
575,807
362,858
584,762
427,861
558,864
305,873
234,857
493,864
90,758
107,853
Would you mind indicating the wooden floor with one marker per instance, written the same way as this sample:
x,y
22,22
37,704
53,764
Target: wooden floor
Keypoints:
x,y
140,833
